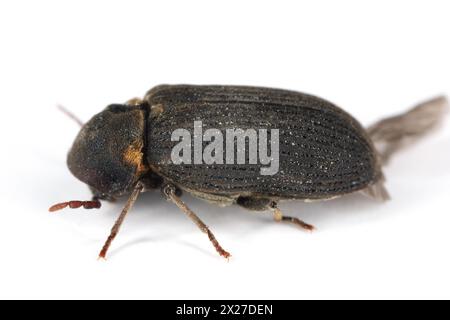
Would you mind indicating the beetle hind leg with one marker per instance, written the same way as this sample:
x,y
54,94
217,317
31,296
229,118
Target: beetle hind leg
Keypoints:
x,y
263,204
279,217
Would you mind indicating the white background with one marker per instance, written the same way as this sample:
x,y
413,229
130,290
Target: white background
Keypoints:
x,y
371,59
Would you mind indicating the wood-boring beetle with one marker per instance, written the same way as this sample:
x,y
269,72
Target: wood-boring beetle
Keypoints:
x,y
322,151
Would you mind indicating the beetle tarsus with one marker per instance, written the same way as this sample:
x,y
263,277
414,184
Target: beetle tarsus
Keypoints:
x,y
75,204
217,246
170,193
300,223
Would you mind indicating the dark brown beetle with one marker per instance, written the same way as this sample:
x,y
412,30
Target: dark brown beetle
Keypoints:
x,y
323,152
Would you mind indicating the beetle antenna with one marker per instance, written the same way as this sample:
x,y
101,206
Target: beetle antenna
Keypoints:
x,y
75,204
70,114
115,229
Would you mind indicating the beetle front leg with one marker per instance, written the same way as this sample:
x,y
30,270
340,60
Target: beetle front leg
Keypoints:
x,y
115,229
170,192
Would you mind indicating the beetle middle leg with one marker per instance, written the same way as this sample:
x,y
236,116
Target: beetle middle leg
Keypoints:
x,y
170,192
262,204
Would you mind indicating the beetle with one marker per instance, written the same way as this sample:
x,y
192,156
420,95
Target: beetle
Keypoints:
x,y
323,151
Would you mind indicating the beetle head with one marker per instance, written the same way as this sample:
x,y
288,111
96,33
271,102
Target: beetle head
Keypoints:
x,y
108,153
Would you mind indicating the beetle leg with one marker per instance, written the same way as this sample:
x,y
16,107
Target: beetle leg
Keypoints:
x,y
115,229
169,192
70,115
74,204
279,217
261,204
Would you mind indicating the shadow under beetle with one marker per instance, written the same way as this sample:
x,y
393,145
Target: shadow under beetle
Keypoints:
x,y
324,152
